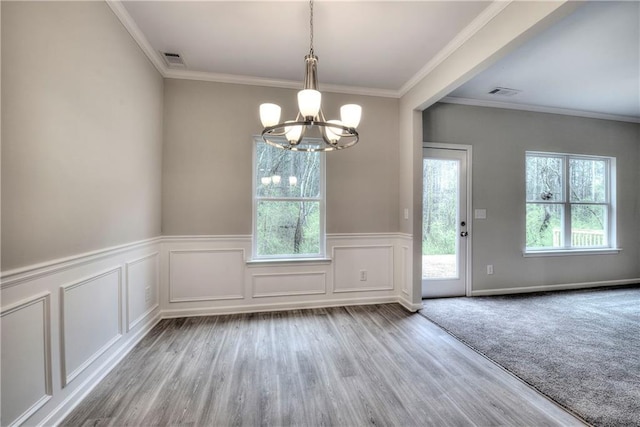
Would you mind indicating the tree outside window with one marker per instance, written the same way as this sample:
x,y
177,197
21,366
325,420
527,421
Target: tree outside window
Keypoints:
x,y
568,201
288,203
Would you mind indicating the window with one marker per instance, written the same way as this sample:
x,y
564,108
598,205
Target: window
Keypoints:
x,y
569,202
288,203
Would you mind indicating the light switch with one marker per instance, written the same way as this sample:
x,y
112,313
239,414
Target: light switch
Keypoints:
x,y
480,214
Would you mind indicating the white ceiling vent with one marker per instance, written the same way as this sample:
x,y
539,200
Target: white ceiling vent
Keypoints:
x,y
503,91
173,59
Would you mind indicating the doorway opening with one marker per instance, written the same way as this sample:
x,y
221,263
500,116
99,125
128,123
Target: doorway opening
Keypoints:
x,y
445,226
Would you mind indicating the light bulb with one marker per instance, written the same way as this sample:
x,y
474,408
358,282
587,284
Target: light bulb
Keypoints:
x,y
275,179
265,180
309,102
293,181
269,114
333,133
350,115
292,133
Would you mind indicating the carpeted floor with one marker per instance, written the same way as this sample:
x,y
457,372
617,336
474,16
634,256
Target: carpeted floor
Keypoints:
x,y
580,348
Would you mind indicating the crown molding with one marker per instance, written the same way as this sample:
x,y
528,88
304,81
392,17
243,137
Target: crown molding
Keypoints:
x,y
461,38
476,25
284,84
170,73
130,25
538,109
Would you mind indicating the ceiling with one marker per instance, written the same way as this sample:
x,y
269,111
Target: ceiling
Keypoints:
x,y
370,45
587,63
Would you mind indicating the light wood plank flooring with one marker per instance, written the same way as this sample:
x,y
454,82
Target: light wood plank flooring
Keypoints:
x,y
366,365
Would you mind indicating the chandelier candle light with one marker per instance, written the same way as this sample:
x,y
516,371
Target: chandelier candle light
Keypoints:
x,y
289,135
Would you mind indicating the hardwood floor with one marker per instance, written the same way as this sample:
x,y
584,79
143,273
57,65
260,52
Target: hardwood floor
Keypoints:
x,y
377,365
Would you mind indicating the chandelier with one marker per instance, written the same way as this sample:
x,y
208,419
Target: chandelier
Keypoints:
x,y
310,123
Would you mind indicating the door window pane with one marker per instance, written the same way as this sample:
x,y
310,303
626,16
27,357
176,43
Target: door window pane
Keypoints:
x,y
440,218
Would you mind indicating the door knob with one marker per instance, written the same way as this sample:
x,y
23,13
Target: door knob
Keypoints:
x,y
464,233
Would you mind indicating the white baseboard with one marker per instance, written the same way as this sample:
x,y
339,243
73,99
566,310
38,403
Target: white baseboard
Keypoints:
x,y
74,399
409,305
258,308
50,277
559,287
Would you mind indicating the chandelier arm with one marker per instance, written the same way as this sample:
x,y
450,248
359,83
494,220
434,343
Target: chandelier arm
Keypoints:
x,y
344,136
279,130
301,137
271,130
321,116
326,140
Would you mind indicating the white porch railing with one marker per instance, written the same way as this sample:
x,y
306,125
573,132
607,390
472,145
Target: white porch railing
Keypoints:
x,y
580,238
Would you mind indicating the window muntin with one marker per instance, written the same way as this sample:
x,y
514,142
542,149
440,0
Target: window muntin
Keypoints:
x,y
288,212
569,203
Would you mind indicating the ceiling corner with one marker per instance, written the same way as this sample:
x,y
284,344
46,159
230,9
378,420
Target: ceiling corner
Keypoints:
x,y
467,32
130,25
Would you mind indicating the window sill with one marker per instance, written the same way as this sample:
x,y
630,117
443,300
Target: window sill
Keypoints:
x,y
283,262
570,252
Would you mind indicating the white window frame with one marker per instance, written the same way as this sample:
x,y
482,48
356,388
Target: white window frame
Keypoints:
x,y
321,255
610,228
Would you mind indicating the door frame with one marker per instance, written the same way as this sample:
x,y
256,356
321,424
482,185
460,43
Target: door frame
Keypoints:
x,y
468,150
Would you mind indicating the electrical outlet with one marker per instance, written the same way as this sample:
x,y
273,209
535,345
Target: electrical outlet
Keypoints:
x,y
406,213
363,275
490,269
147,294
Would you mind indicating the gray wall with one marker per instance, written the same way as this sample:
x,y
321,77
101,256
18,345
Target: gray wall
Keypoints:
x,y
207,160
81,133
499,139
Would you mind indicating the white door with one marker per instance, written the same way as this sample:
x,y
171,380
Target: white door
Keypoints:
x,y
444,222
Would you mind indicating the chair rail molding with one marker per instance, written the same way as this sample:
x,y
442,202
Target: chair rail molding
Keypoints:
x,y
136,285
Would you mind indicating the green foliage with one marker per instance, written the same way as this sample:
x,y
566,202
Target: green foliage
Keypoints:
x,y
548,190
439,241
278,223
287,221
439,207
541,223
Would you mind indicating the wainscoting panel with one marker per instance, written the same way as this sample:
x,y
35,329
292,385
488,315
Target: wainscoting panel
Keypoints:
x,y
142,288
405,266
26,359
283,284
90,314
363,268
206,274
62,326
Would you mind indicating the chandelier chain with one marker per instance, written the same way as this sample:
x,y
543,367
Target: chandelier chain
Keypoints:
x,y
311,27
310,131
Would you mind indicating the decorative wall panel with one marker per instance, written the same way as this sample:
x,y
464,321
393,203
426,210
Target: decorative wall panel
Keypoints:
x,y
283,284
405,265
90,314
206,274
26,359
362,268
142,288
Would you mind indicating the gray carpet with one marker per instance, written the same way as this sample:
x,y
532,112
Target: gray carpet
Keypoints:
x,y
580,348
